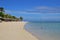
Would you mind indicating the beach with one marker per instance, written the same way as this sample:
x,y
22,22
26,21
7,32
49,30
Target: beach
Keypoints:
x,y
14,31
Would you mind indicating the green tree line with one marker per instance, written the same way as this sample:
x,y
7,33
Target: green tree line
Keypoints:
x,y
3,15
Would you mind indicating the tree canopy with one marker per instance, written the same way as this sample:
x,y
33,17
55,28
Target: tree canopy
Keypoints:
x,y
1,9
3,15
21,18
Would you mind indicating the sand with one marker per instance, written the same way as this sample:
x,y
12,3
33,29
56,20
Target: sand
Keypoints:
x,y
14,31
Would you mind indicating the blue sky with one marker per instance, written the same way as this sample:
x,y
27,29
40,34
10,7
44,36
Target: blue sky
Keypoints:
x,y
34,10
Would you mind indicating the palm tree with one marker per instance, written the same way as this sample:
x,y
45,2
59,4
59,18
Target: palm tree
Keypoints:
x,y
1,9
21,18
8,16
2,14
13,17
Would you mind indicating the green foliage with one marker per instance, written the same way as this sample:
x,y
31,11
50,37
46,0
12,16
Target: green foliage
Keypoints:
x,y
2,14
13,17
21,18
1,9
10,16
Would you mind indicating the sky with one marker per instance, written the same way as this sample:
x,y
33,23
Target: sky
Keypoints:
x,y
33,10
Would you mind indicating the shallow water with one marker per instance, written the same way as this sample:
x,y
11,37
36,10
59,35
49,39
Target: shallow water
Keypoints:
x,y
44,31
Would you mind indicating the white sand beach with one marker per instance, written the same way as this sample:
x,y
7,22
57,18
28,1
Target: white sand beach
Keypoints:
x,y
14,31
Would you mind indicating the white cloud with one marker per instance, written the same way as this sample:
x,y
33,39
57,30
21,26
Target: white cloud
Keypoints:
x,y
12,11
45,9
37,10
21,12
42,8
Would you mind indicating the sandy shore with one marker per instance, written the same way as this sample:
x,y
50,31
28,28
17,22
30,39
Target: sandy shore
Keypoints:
x,y
14,31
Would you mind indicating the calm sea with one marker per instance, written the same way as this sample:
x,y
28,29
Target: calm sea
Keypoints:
x,y
44,31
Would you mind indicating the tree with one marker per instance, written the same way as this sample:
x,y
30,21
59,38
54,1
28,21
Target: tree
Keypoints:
x,y
8,16
21,18
13,17
2,14
1,9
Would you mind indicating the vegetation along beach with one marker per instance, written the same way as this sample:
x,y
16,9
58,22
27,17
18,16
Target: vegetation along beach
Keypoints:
x,y
29,19
12,28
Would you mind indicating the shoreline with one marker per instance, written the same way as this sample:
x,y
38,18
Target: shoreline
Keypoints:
x,y
15,31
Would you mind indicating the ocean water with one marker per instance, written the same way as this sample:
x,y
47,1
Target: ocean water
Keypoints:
x,y
44,31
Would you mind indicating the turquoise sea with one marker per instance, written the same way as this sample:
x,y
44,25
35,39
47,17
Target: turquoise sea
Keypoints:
x,y
44,30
